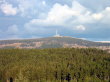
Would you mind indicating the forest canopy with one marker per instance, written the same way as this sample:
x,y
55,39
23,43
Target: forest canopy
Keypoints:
x,y
54,65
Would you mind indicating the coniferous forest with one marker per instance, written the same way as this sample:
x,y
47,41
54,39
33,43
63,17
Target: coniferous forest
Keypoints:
x,y
54,65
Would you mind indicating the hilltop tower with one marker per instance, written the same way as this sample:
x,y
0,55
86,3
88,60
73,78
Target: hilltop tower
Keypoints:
x,y
57,35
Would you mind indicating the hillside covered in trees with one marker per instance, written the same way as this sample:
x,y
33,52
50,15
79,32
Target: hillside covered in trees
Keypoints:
x,y
51,42
54,65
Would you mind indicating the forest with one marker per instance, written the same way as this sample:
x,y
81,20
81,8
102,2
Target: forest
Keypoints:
x,y
54,65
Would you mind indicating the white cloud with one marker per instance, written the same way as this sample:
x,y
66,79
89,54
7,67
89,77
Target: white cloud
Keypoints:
x,y
98,16
106,15
2,1
58,15
102,16
44,3
65,16
76,6
11,32
62,15
107,9
80,28
12,29
8,9
24,7
30,8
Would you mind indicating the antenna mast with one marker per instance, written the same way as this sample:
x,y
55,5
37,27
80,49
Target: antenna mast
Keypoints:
x,y
56,32
57,35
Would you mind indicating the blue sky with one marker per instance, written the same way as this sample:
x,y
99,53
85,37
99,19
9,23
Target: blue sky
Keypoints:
x,y
88,19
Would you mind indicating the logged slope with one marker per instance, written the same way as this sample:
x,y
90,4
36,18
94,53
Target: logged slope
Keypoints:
x,y
54,65
50,42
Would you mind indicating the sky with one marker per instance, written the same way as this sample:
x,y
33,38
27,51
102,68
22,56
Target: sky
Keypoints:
x,y
86,19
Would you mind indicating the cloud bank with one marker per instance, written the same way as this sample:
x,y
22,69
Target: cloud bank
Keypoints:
x,y
8,9
42,17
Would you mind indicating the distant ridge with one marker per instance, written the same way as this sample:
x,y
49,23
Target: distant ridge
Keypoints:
x,y
51,42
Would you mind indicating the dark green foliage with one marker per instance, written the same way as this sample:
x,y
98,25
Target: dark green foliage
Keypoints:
x,y
54,65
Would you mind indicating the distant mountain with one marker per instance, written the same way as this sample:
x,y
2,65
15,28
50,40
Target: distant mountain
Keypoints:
x,y
51,42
